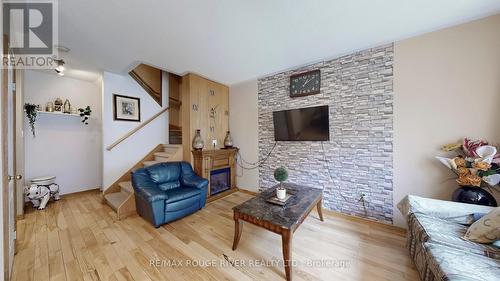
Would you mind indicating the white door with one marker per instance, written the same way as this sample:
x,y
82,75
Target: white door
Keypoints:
x,y
9,230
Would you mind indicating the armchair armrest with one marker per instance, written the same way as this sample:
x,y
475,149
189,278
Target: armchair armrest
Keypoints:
x,y
189,178
447,210
194,181
149,198
146,188
152,194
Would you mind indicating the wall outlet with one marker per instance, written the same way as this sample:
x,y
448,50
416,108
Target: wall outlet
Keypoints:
x,y
362,198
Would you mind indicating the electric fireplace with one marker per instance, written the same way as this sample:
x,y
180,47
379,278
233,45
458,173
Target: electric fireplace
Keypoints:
x,y
220,180
219,167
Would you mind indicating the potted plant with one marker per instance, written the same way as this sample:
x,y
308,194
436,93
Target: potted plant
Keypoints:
x,y
31,113
85,114
281,175
477,165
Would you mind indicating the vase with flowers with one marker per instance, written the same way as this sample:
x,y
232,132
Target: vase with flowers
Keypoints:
x,y
477,166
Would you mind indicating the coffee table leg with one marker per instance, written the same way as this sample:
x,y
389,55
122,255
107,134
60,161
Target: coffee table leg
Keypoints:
x,y
286,239
320,210
238,227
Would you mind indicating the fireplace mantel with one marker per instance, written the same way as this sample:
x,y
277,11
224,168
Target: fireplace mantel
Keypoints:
x,y
209,160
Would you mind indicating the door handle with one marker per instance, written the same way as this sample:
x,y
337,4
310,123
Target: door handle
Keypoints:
x,y
17,177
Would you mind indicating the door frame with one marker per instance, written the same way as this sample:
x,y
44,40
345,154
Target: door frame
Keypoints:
x,y
7,120
5,171
18,141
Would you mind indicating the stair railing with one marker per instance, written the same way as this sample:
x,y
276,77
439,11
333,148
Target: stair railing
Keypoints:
x,y
133,131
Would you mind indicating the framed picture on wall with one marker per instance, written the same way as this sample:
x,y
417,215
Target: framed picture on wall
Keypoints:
x,y
127,108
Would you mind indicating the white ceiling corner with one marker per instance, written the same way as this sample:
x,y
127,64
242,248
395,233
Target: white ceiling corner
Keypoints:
x,y
235,40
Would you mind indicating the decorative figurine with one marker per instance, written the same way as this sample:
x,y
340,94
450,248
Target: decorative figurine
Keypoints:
x,y
67,106
49,107
39,195
58,105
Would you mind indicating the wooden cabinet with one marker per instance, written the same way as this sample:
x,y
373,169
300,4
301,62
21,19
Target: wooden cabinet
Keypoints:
x,y
205,107
209,162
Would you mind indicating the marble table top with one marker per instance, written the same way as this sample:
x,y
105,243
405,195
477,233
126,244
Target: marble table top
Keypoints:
x,y
288,216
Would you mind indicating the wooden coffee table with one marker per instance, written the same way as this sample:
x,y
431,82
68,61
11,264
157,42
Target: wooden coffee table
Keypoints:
x,y
281,220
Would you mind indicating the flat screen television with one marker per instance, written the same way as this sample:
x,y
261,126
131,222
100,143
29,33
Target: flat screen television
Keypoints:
x,y
302,124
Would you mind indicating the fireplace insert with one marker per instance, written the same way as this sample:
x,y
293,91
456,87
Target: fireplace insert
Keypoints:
x,y
220,180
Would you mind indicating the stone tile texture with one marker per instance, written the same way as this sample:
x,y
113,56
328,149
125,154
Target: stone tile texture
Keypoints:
x,y
358,88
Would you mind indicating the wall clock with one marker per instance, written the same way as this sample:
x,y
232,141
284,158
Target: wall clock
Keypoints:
x,y
306,83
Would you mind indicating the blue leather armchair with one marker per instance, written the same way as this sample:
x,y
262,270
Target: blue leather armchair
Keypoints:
x,y
168,191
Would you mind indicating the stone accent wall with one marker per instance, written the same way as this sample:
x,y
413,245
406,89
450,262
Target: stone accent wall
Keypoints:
x,y
358,158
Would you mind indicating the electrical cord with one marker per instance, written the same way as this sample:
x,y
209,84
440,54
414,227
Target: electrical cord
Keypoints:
x,y
254,165
330,173
241,162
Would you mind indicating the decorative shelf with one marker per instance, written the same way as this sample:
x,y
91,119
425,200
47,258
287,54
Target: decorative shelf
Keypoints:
x,y
59,113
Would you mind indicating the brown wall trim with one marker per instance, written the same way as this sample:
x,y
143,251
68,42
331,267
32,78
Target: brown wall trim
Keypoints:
x,y
81,192
247,191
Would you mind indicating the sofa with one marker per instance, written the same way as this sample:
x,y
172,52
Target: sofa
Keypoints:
x,y
165,192
434,240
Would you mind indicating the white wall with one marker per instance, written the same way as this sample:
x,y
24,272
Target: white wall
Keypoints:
x,y
63,146
244,130
446,87
124,156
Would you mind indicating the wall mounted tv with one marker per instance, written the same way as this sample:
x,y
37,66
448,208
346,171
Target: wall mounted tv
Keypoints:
x,y
302,124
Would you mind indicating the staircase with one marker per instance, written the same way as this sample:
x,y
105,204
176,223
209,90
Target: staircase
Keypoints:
x,y
120,195
175,134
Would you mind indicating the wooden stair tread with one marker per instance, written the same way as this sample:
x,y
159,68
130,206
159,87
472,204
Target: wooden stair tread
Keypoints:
x,y
126,186
163,154
116,199
149,163
172,146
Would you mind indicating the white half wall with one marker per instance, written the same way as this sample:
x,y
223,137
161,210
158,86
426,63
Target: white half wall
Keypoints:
x,y
63,146
124,156
243,123
446,87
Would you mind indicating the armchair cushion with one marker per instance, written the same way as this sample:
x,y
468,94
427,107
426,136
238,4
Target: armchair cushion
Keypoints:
x,y
169,185
177,194
164,172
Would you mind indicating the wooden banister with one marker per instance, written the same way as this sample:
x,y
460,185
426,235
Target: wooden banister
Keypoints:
x,y
131,132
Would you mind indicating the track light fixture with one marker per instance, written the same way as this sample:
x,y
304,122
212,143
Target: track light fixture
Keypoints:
x,y
60,67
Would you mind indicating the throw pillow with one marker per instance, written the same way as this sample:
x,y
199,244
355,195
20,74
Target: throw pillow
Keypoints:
x,y
485,230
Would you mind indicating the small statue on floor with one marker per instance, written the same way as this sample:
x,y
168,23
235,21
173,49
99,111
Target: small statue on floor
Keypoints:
x,y
39,195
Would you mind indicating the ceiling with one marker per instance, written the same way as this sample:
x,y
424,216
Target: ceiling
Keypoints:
x,y
231,41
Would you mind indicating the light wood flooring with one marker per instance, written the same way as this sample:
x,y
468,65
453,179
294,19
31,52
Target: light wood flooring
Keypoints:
x,y
79,238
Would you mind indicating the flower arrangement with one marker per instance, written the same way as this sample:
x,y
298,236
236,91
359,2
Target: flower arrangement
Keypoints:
x,y
476,162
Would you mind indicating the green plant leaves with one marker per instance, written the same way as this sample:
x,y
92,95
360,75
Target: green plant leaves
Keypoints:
x,y
31,114
84,114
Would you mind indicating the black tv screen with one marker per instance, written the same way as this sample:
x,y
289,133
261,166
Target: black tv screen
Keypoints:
x,y
302,124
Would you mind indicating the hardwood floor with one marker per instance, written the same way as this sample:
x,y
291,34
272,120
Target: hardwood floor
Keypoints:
x,y
79,238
